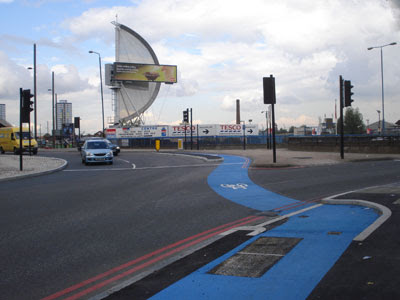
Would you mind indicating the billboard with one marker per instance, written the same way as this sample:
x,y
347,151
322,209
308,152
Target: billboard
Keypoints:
x,y
145,72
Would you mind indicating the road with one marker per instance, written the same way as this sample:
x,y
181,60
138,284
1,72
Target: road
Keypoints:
x,y
60,230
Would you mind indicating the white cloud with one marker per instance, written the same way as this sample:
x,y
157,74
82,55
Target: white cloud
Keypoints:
x,y
224,48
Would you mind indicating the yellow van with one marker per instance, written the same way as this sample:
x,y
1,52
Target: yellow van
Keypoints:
x,y
9,140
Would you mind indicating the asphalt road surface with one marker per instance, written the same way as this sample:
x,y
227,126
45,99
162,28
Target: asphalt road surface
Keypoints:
x,y
61,229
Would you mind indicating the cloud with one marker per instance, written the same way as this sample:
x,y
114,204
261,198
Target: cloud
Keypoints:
x,y
224,48
13,77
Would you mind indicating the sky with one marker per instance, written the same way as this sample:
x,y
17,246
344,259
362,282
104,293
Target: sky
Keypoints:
x,y
222,48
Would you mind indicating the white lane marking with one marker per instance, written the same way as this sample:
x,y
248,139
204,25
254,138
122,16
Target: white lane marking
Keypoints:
x,y
127,161
259,228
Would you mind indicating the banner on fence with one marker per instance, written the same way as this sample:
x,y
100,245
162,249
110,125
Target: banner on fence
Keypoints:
x,y
174,131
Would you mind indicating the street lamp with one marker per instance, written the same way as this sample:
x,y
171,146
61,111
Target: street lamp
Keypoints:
x,y
383,106
101,88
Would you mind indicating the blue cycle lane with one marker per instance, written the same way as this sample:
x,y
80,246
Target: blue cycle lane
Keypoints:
x,y
324,233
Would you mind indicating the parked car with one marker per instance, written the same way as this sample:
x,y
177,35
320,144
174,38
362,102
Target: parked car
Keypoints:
x,y
96,151
115,148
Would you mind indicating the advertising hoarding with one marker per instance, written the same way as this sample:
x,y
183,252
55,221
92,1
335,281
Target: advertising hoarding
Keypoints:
x,y
174,131
145,72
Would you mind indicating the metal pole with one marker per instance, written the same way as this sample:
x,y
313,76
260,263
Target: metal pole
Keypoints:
x,y
266,128
191,131
52,105
20,129
198,141
273,133
341,118
244,135
383,101
101,89
34,90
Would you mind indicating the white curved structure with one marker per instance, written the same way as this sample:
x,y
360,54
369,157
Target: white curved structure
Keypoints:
x,y
132,98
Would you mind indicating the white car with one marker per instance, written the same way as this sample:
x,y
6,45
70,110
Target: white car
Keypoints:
x,y
96,151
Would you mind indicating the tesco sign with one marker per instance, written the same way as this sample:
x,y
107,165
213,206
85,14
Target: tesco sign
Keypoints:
x,y
229,129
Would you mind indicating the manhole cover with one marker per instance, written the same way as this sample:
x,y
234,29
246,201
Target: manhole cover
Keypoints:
x,y
257,258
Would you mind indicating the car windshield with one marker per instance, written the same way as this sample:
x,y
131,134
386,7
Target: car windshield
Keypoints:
x,y
25,135
97,145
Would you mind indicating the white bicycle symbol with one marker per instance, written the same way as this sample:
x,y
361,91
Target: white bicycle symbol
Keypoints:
x,y
235,186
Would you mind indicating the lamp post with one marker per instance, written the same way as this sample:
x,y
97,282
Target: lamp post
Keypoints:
x,y
383,105
379,120
244,134
101,89
266,126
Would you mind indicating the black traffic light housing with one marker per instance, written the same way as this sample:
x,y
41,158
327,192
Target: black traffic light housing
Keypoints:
x,y
27,106
186,116
269,90
347,93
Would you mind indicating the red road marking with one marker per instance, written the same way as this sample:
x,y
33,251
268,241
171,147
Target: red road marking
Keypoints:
x,y
154,260
135,261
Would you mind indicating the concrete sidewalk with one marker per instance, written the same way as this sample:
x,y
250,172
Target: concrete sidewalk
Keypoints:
x,y
287,158
31,166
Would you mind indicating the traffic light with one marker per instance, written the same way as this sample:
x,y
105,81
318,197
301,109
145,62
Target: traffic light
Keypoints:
x,y
186,116
26,106
347,93
269,90
77,122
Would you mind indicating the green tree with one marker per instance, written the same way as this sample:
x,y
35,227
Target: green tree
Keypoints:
x,y
353,121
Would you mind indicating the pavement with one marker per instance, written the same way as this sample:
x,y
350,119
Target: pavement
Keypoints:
x,y
34,165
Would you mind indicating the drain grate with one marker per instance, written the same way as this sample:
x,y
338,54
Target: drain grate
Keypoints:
x,y
257,258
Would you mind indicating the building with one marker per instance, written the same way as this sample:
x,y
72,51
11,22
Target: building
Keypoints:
x,y
63,113
2,111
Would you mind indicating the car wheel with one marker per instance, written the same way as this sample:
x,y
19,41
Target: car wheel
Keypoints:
x,y
34,152
116,154
16,151
1,150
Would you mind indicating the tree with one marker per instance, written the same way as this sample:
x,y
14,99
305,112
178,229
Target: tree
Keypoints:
x,y
353,122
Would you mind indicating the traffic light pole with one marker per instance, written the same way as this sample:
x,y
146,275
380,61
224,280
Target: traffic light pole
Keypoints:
x,y
20,129
273,132
191,131
341,117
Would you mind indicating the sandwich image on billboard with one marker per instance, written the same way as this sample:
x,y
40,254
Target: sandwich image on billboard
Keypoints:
x,y
145,72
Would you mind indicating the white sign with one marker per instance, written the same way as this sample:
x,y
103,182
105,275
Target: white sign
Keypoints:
x,y
179,130
129,132
229,129
251,129
155,131
207,130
